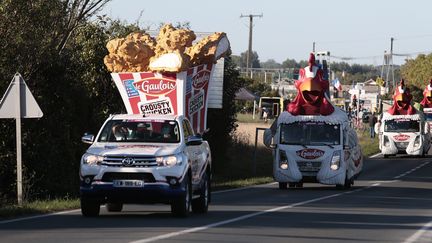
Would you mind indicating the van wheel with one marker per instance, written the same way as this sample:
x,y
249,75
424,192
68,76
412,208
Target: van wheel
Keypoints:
x,y
292,184
114,207
386,156
282,185
347,184
180,207
200,205
299,185
89,208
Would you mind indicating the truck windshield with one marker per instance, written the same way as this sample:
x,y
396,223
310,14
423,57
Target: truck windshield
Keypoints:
x,y
139,131
310,133
401,125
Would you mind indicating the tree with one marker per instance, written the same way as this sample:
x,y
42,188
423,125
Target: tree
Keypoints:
x,y
40,42
254,59
221,122
418,71
270,63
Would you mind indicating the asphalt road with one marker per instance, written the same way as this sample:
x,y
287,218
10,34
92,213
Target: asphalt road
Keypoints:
x,y
390,202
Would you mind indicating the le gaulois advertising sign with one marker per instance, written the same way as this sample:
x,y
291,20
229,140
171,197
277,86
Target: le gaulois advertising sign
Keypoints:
x,y
183,93
310,153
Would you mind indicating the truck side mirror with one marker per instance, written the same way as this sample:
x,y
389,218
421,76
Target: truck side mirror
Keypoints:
x,y
87,138
267,138
194,140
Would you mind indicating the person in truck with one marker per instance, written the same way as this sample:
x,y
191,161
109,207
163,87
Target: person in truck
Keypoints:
x,y
120,132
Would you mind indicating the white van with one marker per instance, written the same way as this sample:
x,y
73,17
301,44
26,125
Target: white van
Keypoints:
x,y
400,134
314,148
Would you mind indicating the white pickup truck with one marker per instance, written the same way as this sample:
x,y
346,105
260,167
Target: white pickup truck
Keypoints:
x,y
140,160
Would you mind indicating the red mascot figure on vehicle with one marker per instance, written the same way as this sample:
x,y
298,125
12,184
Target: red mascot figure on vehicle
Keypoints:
x,y
402,101
311,88
427,96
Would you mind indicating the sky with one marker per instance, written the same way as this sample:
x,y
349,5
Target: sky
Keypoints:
x,y
356,29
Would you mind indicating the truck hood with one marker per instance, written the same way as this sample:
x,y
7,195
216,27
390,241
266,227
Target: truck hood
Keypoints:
x,y
107,149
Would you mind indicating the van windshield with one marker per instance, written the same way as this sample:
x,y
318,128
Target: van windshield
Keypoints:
x,y
401,125
310,133
428,116
139,131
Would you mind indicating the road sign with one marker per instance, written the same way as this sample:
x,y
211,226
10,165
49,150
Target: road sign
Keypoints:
x,y
18,91
18,102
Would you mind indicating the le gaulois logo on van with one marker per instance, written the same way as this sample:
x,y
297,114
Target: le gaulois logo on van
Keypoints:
x,y
155,86
200,79
401,137
310,153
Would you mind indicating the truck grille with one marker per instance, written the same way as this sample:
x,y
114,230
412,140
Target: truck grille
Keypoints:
x,y
401,145
138,161
309,166
110,176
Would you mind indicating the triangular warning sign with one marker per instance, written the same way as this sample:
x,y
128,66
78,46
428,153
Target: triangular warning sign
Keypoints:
x,y
19,93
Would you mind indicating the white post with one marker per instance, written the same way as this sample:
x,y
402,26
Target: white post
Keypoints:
x,y
253,114
18,141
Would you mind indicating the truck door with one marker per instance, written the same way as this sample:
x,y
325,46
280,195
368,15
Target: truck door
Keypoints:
x,y
194,153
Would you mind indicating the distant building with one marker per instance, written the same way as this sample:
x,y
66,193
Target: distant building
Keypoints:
x,y
367,93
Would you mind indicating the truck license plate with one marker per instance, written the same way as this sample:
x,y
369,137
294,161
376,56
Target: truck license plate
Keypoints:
x,y
128,183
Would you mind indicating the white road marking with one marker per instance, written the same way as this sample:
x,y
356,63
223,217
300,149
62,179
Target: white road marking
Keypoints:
x,y
412,170
38,216
205,227
242,188
375,155
416,236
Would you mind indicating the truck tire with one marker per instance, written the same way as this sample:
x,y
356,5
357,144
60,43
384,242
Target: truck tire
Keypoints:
x,y
200,205
89,208
114,207
347,184
180,207
283,185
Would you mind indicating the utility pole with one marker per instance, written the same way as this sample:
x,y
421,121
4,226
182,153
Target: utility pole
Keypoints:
x,y
388,60
249,53
313,47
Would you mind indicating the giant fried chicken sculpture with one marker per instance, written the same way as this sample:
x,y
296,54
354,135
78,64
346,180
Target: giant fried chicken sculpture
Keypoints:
x,y
171,51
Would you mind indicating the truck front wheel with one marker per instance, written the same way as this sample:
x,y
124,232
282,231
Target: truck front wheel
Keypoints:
x,y
89,208
282,185
180,207
200,205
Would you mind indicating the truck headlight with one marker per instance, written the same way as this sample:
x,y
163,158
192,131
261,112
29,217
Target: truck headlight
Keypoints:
x,y
283,160
92,159
417,141
386,141
335,161
169,160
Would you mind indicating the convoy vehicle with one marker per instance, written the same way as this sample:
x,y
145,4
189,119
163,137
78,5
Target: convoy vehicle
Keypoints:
x,y
145,159
315,149
428,116
403,128
312,140
404,134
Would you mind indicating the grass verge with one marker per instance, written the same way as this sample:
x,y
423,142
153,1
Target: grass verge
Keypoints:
x,y
38,207
369,145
